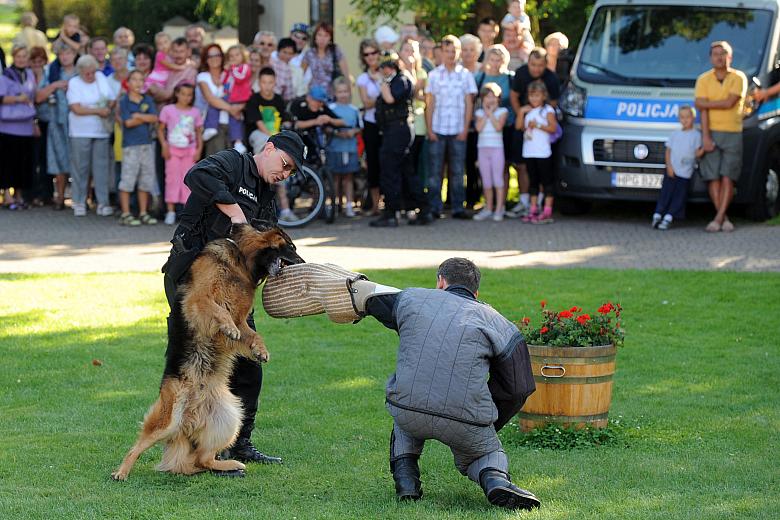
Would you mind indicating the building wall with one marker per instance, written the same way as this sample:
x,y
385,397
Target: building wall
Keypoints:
x,y
280,15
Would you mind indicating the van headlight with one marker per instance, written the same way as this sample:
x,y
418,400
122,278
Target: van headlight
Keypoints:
x,y
573,100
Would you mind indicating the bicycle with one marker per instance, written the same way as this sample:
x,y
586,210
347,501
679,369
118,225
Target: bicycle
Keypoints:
x,y
310,192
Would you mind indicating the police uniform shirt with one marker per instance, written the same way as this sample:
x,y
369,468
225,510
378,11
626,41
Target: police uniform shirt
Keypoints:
x,y
226,177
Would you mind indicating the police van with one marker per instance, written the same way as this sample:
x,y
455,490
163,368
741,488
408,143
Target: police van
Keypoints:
x,y
636,65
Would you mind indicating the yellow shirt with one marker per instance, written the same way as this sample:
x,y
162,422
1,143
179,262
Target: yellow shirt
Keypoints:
x,y
708,86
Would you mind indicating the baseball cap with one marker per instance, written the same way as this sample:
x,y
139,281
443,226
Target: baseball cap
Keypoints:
x,y
290,142
299,27
318,93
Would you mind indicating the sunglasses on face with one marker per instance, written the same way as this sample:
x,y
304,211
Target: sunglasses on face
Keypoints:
x,y
372,53
209,56
286,166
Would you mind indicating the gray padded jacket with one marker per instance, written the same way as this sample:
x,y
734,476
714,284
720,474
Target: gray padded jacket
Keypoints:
x,y
449,344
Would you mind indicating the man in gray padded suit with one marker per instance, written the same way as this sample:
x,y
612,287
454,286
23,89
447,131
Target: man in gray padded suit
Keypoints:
x,y
450,343
463,370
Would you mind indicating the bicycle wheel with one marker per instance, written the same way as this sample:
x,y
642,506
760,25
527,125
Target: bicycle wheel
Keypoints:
x,y
306,195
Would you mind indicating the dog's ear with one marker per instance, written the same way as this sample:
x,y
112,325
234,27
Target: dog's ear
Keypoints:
x,y
261,224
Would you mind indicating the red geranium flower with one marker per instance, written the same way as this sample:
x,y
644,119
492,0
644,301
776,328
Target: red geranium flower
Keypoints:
x,y
526,321
544,330
606,308
585,318
565,314
575,309
543,303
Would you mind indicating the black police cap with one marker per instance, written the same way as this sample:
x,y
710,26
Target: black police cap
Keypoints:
x,y
290,142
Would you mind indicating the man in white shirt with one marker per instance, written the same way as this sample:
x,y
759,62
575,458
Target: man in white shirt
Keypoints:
x,y
449,99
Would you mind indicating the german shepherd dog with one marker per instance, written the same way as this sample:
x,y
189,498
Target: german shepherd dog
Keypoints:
x,y
196,415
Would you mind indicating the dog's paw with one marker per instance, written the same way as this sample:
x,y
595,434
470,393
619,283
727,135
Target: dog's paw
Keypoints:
x,y
260,352
119,476
231,331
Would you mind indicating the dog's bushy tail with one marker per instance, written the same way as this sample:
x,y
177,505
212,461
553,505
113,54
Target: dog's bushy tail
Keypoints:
x,y
178,457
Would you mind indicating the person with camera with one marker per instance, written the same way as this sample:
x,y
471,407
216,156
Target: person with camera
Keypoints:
x,y
394,118
228,188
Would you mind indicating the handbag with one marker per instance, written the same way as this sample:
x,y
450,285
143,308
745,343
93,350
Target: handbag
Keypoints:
x,y
336,68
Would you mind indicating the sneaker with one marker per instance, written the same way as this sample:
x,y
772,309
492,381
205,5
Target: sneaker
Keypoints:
x,y
239,147
656,220
348,212
519,210
208,133
127,219
665,224
104,210
79,210
288,216
483,214
147,219
498,216
170,218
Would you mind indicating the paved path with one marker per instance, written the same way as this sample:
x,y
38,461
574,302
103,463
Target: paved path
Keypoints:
x,y
44,241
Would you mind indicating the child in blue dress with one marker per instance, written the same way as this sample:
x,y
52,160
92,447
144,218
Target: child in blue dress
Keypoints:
x,y
342,152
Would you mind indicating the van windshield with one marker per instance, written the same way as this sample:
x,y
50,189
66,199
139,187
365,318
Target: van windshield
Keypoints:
x,y
669,45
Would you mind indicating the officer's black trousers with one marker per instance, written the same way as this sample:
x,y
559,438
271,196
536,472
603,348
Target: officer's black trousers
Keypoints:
x,y
397,170
247,376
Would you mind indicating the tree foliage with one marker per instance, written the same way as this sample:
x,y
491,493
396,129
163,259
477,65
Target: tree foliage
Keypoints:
x,y
458,16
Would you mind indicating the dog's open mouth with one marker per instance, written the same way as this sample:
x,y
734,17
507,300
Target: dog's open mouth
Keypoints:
x,y
279,264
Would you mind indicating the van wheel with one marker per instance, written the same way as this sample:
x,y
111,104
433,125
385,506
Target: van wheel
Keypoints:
x,y
570,206
766,203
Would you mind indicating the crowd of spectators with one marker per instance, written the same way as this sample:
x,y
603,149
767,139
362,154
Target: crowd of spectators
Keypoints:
x,y
113,126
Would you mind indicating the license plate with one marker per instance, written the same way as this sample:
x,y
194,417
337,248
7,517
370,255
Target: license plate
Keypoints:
x,y
651,181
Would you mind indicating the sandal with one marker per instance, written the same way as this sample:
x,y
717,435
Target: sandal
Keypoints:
x,y
712,227
127,219
727,226
147,219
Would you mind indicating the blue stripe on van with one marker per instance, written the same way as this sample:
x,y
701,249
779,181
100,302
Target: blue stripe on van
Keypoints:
x,y
769,108
632,109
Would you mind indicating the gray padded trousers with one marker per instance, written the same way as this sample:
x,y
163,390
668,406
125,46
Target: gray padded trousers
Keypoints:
x,y
474,448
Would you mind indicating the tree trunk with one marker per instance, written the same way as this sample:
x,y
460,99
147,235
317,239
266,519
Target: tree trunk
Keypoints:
x,y
248,20
37,8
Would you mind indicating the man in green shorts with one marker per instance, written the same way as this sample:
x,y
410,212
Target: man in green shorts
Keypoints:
x,y
720,96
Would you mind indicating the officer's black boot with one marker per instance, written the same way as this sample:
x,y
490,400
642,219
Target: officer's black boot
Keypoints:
x,y
386,220
243,451
406,474
501,492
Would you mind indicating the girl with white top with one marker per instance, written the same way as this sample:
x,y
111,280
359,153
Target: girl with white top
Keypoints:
x,y
490,151
539,123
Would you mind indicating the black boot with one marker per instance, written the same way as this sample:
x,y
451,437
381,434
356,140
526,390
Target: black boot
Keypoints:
x,y
384,221
243,451
406,474
501,492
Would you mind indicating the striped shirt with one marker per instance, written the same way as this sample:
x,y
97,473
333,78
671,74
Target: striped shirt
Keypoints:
x,y
450,90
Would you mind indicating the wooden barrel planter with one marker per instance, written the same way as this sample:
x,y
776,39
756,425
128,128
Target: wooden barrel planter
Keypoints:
x,y
573,386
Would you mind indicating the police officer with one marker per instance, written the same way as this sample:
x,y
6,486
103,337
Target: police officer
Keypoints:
x,y
396,174
232,188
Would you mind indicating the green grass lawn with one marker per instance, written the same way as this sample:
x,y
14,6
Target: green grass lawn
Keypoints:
x,y
697,385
